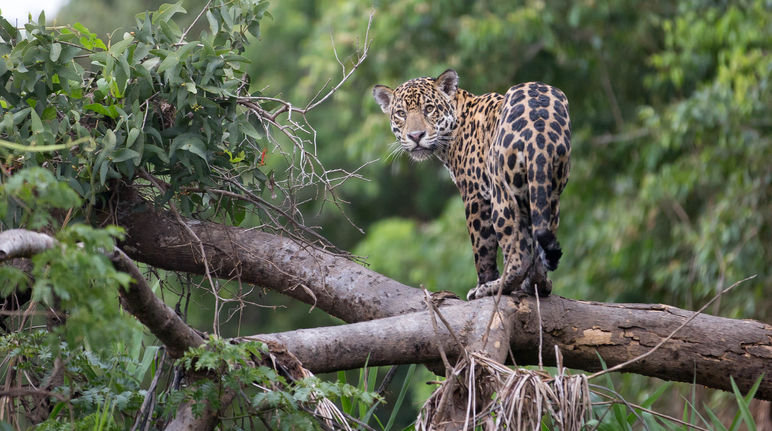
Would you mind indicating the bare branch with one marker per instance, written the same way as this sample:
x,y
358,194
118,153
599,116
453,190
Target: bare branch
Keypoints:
x,y
200,14
23,243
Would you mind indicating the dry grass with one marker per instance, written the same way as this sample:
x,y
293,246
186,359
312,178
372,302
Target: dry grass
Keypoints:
x,y
483,394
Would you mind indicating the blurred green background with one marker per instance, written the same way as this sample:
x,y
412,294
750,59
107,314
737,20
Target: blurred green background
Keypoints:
x,y
669,198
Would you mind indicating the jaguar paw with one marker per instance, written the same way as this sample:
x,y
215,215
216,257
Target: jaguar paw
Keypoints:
x,y
482,290
537,281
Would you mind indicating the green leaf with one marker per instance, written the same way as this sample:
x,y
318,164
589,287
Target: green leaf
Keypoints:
x,y
744,402
13,279
49,113
133,134
400,397
56,50
214,27
103,172
8,31
170,61
345,402
35,124
166,11
109,141
191,87
651,399
185,50
160,153
108,111
57,408
249,130
254,28
98,43
123,154
191,143
82,29
119,47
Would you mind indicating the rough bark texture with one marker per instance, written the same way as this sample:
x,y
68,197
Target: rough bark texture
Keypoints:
x,y
710,348
159,318
336,285
714,348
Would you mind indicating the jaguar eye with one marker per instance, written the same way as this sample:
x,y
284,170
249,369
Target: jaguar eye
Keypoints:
x,y
428,109
400,113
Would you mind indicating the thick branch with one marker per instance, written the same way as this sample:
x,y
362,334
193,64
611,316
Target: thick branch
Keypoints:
x,y
404,339
336,285
138,299
163,322
709,349
23,243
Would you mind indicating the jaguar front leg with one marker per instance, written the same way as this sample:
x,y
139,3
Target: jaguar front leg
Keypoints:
x,y
484,244
514,237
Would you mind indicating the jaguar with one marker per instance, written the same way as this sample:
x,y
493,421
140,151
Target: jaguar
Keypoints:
x,y
509,157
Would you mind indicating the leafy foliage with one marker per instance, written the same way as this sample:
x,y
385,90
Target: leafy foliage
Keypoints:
x,y
283,402
31,195
435,254
75,276
87,382
688,192
80,115
149,99
625,415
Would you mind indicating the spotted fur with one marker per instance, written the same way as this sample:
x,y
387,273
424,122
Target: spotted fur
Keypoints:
x,y
509,158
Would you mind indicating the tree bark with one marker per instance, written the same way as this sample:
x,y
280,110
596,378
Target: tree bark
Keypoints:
x,y
337,285
709,349
23,243
163,322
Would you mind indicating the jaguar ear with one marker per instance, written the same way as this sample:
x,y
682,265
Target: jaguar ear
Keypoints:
x,y
447,82
383,96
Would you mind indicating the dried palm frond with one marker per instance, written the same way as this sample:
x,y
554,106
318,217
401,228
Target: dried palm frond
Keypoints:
x,y
482,393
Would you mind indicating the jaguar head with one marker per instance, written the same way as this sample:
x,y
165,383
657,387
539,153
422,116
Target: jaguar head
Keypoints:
x,y
422,113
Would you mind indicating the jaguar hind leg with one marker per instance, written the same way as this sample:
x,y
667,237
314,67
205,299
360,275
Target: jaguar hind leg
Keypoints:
x,y
518,265
537,280
530,281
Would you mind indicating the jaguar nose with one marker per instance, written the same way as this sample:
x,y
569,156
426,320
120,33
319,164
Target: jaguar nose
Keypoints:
x,y
416,136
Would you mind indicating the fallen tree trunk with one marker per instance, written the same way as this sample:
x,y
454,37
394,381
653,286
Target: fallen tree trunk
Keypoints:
x,y
709,349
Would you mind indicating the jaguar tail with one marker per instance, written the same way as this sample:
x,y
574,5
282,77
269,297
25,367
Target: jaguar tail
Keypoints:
x,y
544,213
549,249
